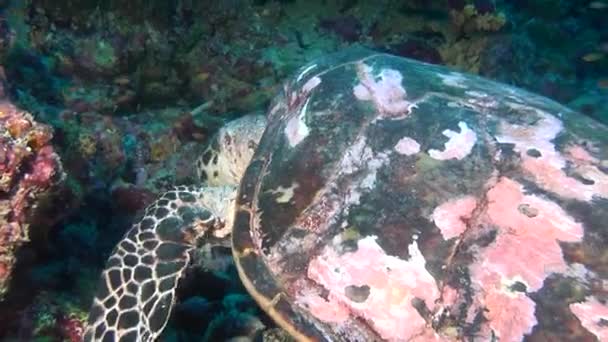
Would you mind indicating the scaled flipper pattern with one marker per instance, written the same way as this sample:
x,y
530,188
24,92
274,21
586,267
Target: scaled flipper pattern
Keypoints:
x,y
137,289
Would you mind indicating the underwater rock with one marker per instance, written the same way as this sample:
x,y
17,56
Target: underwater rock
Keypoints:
x,y
346,27
473,19
7,38
457,5
417,50
31,177
485,6
71,328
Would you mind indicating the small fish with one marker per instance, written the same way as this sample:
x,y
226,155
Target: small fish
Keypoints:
x,y
593,57
122,80
598,5
603,83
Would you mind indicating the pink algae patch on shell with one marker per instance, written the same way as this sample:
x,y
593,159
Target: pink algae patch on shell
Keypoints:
x,y
548,168
458,146
450,217
392,282
510,314
407,146
387,93
526,250
590,313
586,166
329,310
554,179
577,152
530,228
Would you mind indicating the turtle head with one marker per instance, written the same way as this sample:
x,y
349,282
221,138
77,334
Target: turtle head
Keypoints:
x,y
224,161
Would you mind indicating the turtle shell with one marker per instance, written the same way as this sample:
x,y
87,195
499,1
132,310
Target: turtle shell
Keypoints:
x,y
396,200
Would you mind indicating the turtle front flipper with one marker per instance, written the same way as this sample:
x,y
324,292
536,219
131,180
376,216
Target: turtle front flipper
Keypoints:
x,y
137,288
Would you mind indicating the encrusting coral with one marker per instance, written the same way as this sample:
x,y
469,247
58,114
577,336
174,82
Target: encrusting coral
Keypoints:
x,y
30,174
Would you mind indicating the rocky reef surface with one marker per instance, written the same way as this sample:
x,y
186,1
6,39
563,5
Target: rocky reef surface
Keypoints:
x,y
31,179
104,105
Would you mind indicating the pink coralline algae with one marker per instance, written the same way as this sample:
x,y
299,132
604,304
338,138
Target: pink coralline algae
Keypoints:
x,y
546,164
459,146
523,222
377,287
407,146
328,310
526,222
387,93
30,171
579,154
450,217
593,316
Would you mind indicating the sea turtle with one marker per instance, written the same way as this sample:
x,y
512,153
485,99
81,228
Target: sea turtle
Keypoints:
x,y
387,199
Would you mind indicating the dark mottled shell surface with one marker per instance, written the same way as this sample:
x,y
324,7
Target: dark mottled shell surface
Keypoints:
x,y
401,201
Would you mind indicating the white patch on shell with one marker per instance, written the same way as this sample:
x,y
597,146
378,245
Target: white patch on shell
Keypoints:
x,y
360,157
385,90
256,235
407,146
296,129
355,156
275,108
483,102
305,71
480,99
284,194
476,93
453,79
373,166
582,274
393,284
459,146
311,84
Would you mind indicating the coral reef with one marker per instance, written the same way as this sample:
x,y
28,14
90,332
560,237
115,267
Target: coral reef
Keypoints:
x,y
477,18
52,318
31,175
